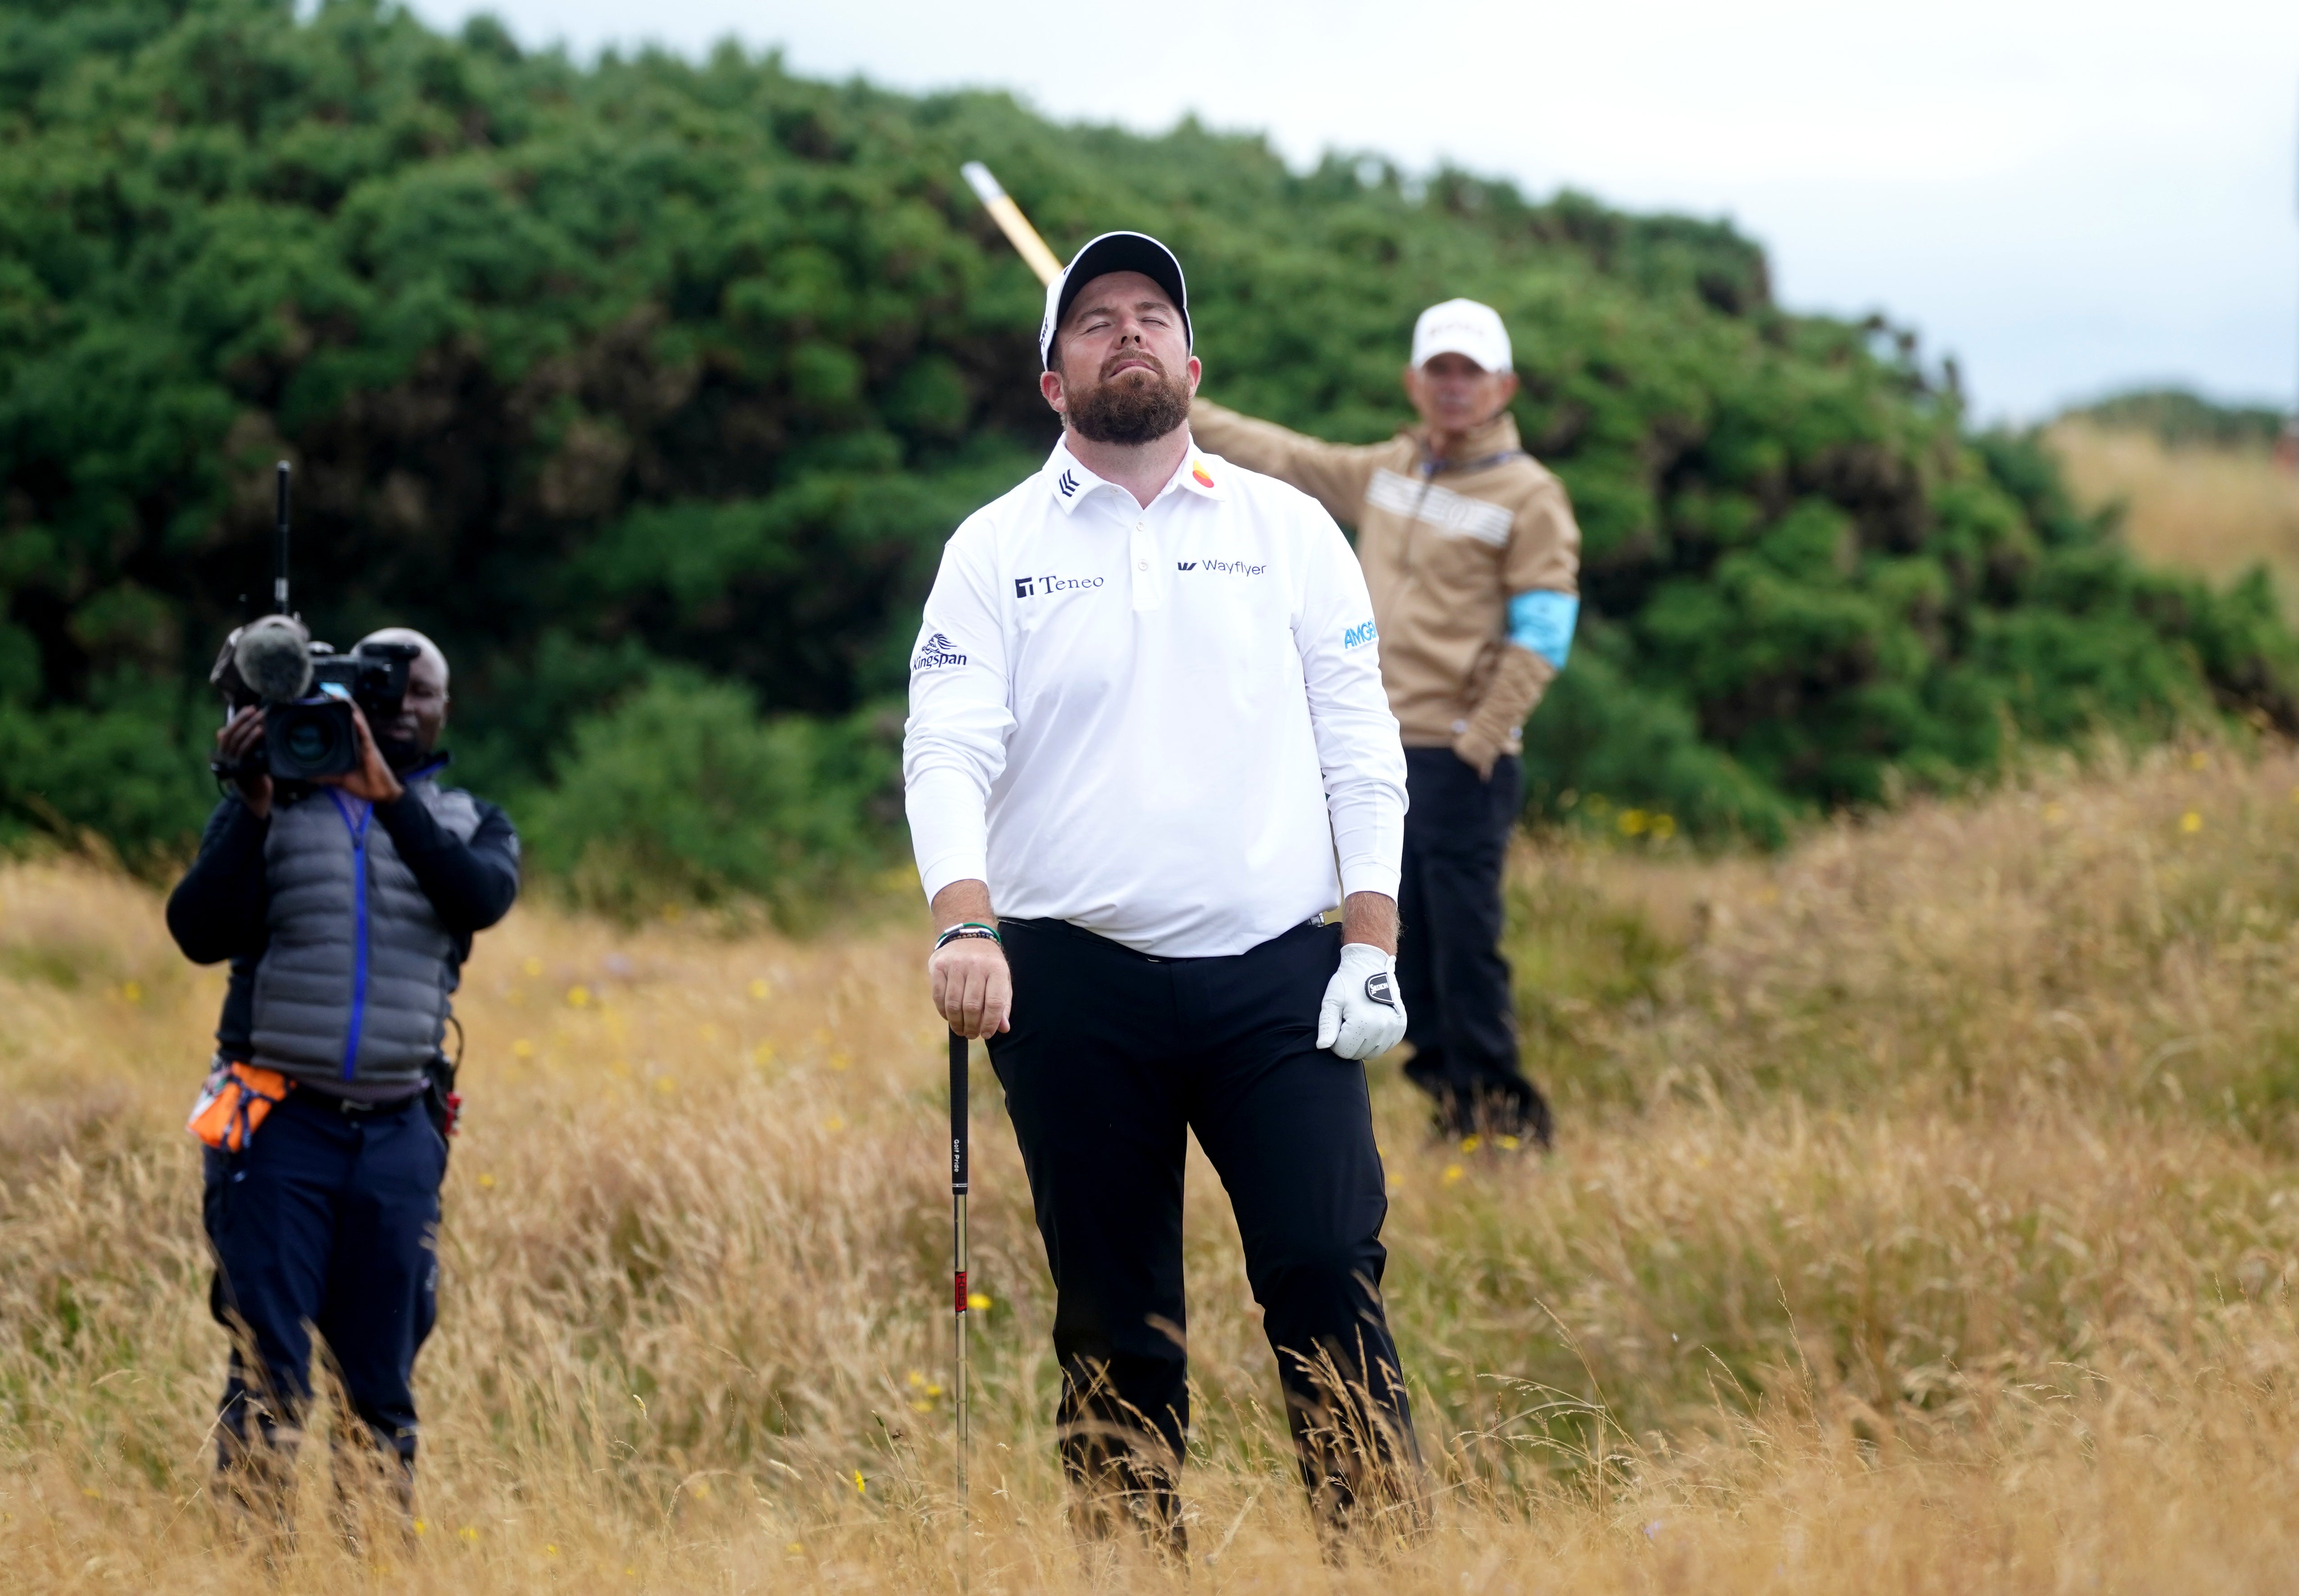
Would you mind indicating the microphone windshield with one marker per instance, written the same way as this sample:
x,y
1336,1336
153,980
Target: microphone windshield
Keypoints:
x,y
274,656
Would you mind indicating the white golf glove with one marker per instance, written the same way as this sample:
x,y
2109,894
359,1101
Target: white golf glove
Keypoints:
x,y
1362,1014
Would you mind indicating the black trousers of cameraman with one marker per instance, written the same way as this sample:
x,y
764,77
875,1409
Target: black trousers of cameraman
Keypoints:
x,y
1115,1057
328,1219
1458,1013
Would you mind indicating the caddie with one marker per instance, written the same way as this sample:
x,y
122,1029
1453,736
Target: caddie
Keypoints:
x,y
1147,723
1474,559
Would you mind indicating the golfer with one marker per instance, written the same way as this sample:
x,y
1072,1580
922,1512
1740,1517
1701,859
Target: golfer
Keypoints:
x,y
1474,561
1147,724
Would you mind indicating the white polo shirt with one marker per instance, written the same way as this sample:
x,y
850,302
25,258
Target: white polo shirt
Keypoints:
x,y
1162,725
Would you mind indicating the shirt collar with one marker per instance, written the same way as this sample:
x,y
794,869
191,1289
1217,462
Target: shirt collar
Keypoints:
x,y
1070,482
1072,485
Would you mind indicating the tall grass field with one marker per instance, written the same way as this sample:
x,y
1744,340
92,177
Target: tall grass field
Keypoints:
x,y
1925,1218
2216,510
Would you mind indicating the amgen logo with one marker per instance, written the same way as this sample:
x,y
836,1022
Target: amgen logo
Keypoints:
x,y
1360,635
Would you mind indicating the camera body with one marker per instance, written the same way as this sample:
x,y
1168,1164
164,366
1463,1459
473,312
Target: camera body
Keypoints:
x,y
307,691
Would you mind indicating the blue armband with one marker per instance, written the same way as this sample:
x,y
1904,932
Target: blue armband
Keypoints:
x,y
1542,623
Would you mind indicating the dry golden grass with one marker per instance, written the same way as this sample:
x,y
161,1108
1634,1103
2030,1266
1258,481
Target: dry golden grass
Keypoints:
x,y
2215,511
1927,1220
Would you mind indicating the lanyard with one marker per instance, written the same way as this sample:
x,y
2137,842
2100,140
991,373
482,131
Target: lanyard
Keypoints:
x,y
1432,469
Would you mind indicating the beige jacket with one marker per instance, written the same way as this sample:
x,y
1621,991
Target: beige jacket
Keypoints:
x,y
1444,552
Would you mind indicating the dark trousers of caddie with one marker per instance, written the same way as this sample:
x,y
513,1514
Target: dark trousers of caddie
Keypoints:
x,y
1458,1013
1113,1058
328,1219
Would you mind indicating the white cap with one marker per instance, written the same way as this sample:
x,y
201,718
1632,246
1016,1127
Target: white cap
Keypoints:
x,y
1463,326
1114,251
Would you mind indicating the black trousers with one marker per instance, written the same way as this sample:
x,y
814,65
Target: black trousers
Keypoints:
x,y
1114,1056
324,1220
1458,1012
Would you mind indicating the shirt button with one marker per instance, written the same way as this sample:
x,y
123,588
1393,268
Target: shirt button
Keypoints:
x,y
1141,565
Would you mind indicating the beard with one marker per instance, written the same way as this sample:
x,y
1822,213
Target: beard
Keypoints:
x,y
1135,408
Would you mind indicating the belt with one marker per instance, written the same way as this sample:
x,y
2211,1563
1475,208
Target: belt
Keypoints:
x,y
351,1106
321,1097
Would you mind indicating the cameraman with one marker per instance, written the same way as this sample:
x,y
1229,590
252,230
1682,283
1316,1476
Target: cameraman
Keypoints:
x,y
346,909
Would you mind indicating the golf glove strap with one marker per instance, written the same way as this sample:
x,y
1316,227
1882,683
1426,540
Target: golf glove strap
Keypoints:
x,y
1362,1014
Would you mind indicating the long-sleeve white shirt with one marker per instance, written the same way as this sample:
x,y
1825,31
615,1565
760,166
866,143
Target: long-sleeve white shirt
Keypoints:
x,y
1165,725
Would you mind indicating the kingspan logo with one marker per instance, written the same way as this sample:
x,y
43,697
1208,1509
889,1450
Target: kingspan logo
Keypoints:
x,y
1032,586
935,653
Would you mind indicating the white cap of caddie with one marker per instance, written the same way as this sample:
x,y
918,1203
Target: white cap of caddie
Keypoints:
x,y
1463,326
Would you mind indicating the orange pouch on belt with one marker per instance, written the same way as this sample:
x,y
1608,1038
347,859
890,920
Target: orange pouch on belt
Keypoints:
x,y
233,1103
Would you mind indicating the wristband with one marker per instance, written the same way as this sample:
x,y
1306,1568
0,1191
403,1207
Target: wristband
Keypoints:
x,y
968,929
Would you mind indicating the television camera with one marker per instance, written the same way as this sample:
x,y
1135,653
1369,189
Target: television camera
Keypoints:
x,y
305,688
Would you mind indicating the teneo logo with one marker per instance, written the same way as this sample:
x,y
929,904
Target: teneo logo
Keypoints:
x,y
1221,568
1360,635
935,653
1030,587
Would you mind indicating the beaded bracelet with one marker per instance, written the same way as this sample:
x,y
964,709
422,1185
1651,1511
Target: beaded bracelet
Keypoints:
x,y
969,928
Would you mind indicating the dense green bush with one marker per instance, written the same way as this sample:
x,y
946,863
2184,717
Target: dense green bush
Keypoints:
x,y
594,372
682,793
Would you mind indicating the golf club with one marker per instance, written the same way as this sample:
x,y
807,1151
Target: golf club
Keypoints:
x,y
957,1184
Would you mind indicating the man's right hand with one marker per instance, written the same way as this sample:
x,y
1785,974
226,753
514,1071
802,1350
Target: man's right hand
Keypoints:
x,y
973,989
972,986
237,739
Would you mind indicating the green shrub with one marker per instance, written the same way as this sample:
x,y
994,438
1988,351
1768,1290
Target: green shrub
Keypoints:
x,y
681,793
589,371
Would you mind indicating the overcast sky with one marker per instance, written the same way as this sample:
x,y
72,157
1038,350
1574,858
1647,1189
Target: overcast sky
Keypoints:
x,y
2067,197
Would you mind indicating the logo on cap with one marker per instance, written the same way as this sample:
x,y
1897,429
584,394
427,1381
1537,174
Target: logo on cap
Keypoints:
x,y
1461,326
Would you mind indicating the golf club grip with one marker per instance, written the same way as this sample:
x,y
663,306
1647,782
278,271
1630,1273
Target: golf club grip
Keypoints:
x,y
957,1151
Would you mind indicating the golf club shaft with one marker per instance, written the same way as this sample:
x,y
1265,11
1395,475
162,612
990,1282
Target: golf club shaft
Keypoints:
x,y
958,1189
1010,221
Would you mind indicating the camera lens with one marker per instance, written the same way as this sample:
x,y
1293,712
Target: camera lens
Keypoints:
x,y
310,741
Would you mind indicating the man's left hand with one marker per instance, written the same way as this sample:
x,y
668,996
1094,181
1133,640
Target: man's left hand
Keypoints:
x,y
1362,1016
371,779
1477,751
